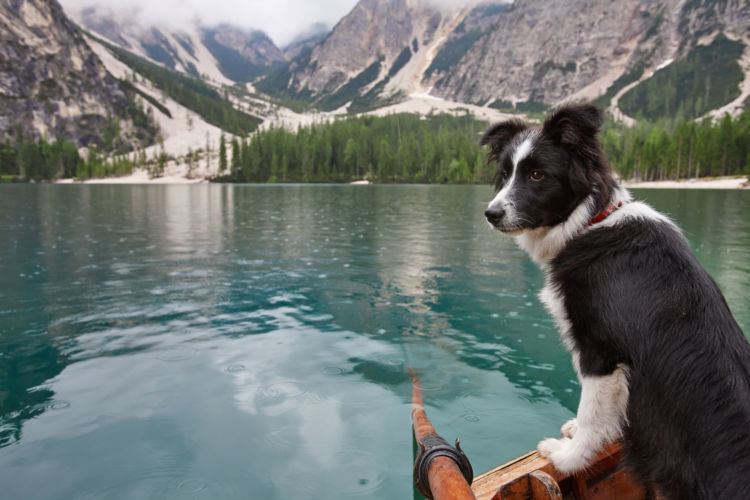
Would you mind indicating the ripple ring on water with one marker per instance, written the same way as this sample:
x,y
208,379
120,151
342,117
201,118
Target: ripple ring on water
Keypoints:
x,y
279,391
191,486
58,405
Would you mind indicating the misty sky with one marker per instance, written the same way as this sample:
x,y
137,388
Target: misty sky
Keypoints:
x,y
282,20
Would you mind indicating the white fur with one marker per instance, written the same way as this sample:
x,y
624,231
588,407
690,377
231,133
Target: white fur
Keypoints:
x,y
635,209
603,404
544,243
601,416
553,302
569,428
523,150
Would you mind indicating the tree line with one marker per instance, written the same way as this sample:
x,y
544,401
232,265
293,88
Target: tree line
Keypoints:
x,y
44,160
395,148
24,159
399,148
444,149
679,149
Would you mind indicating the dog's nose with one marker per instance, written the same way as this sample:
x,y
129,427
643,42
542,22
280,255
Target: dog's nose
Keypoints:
x,y
494,215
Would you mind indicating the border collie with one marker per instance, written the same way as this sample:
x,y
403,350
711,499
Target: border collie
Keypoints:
x,y
661,361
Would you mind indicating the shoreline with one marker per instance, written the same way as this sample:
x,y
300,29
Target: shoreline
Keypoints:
x,y
141,177
700,183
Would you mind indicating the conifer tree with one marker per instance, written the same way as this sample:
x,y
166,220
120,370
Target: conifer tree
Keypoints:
x,y
235,157
222,154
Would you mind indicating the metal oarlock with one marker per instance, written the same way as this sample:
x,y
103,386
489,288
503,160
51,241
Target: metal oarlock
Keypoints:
x,y
433,446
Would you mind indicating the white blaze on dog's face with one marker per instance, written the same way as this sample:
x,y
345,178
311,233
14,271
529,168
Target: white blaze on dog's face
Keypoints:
x,y
503,208
541,177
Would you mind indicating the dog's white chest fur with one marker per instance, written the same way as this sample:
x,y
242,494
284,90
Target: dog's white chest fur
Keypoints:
x,y
555,304
603,404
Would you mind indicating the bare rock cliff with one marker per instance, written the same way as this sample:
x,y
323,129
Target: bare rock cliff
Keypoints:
x,y
547,51
52,83
373,31
529,54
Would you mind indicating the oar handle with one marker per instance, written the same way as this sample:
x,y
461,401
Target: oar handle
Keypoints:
x,y
441,471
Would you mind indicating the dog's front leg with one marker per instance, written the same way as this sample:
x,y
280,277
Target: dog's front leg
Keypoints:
x,y
601,413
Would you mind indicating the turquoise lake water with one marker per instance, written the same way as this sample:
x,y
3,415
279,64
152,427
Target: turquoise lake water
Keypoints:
x,y
215,341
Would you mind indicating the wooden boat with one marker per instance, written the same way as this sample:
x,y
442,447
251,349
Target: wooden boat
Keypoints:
x,y
533,477
445,475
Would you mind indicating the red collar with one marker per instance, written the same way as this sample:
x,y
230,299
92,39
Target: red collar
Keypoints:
x,y
604,213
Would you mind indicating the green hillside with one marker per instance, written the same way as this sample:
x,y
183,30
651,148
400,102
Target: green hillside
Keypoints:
x,y
706,78
191,93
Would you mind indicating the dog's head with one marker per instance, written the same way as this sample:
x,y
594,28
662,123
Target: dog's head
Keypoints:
x,y
545,172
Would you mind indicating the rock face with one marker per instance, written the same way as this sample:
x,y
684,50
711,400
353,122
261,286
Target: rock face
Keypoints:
x,y
243,55
546,51
310,38
532,52
371,31
253,44
52,83
381,35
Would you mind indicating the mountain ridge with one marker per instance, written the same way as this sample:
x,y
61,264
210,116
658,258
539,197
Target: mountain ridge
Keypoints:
x,y
525,57
224,53
63,90
385,56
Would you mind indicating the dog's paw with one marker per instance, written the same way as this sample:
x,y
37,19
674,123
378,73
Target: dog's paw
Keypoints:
x,y
569,428
549,446
563,455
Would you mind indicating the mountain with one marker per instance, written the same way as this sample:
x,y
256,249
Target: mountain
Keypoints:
x,y
225,54
51,83
308,39
375,53
525,56
539,53
243,55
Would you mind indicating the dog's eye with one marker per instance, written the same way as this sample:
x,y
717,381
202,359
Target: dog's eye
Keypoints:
x,y
536,175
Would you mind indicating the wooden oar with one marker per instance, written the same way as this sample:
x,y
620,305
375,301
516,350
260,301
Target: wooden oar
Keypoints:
x,y
441,471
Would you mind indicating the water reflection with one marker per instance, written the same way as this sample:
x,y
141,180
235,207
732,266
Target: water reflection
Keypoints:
x,y
224,339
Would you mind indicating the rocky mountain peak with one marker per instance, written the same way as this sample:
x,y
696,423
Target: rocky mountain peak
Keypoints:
x,y
369,47
526,56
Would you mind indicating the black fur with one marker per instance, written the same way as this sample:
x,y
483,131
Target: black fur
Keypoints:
x,y
575,128
499,135
635,295
567,151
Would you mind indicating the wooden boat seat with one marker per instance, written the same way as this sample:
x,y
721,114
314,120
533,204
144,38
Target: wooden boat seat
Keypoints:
x,y
532,477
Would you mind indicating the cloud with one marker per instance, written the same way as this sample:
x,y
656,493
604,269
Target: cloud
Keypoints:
x,y
282,20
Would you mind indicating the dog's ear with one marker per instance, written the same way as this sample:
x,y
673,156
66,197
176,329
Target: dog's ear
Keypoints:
x,y
573,125
499,135
579,178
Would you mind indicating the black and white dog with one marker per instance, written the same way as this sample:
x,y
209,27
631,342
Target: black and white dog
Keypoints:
x,y
661,361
